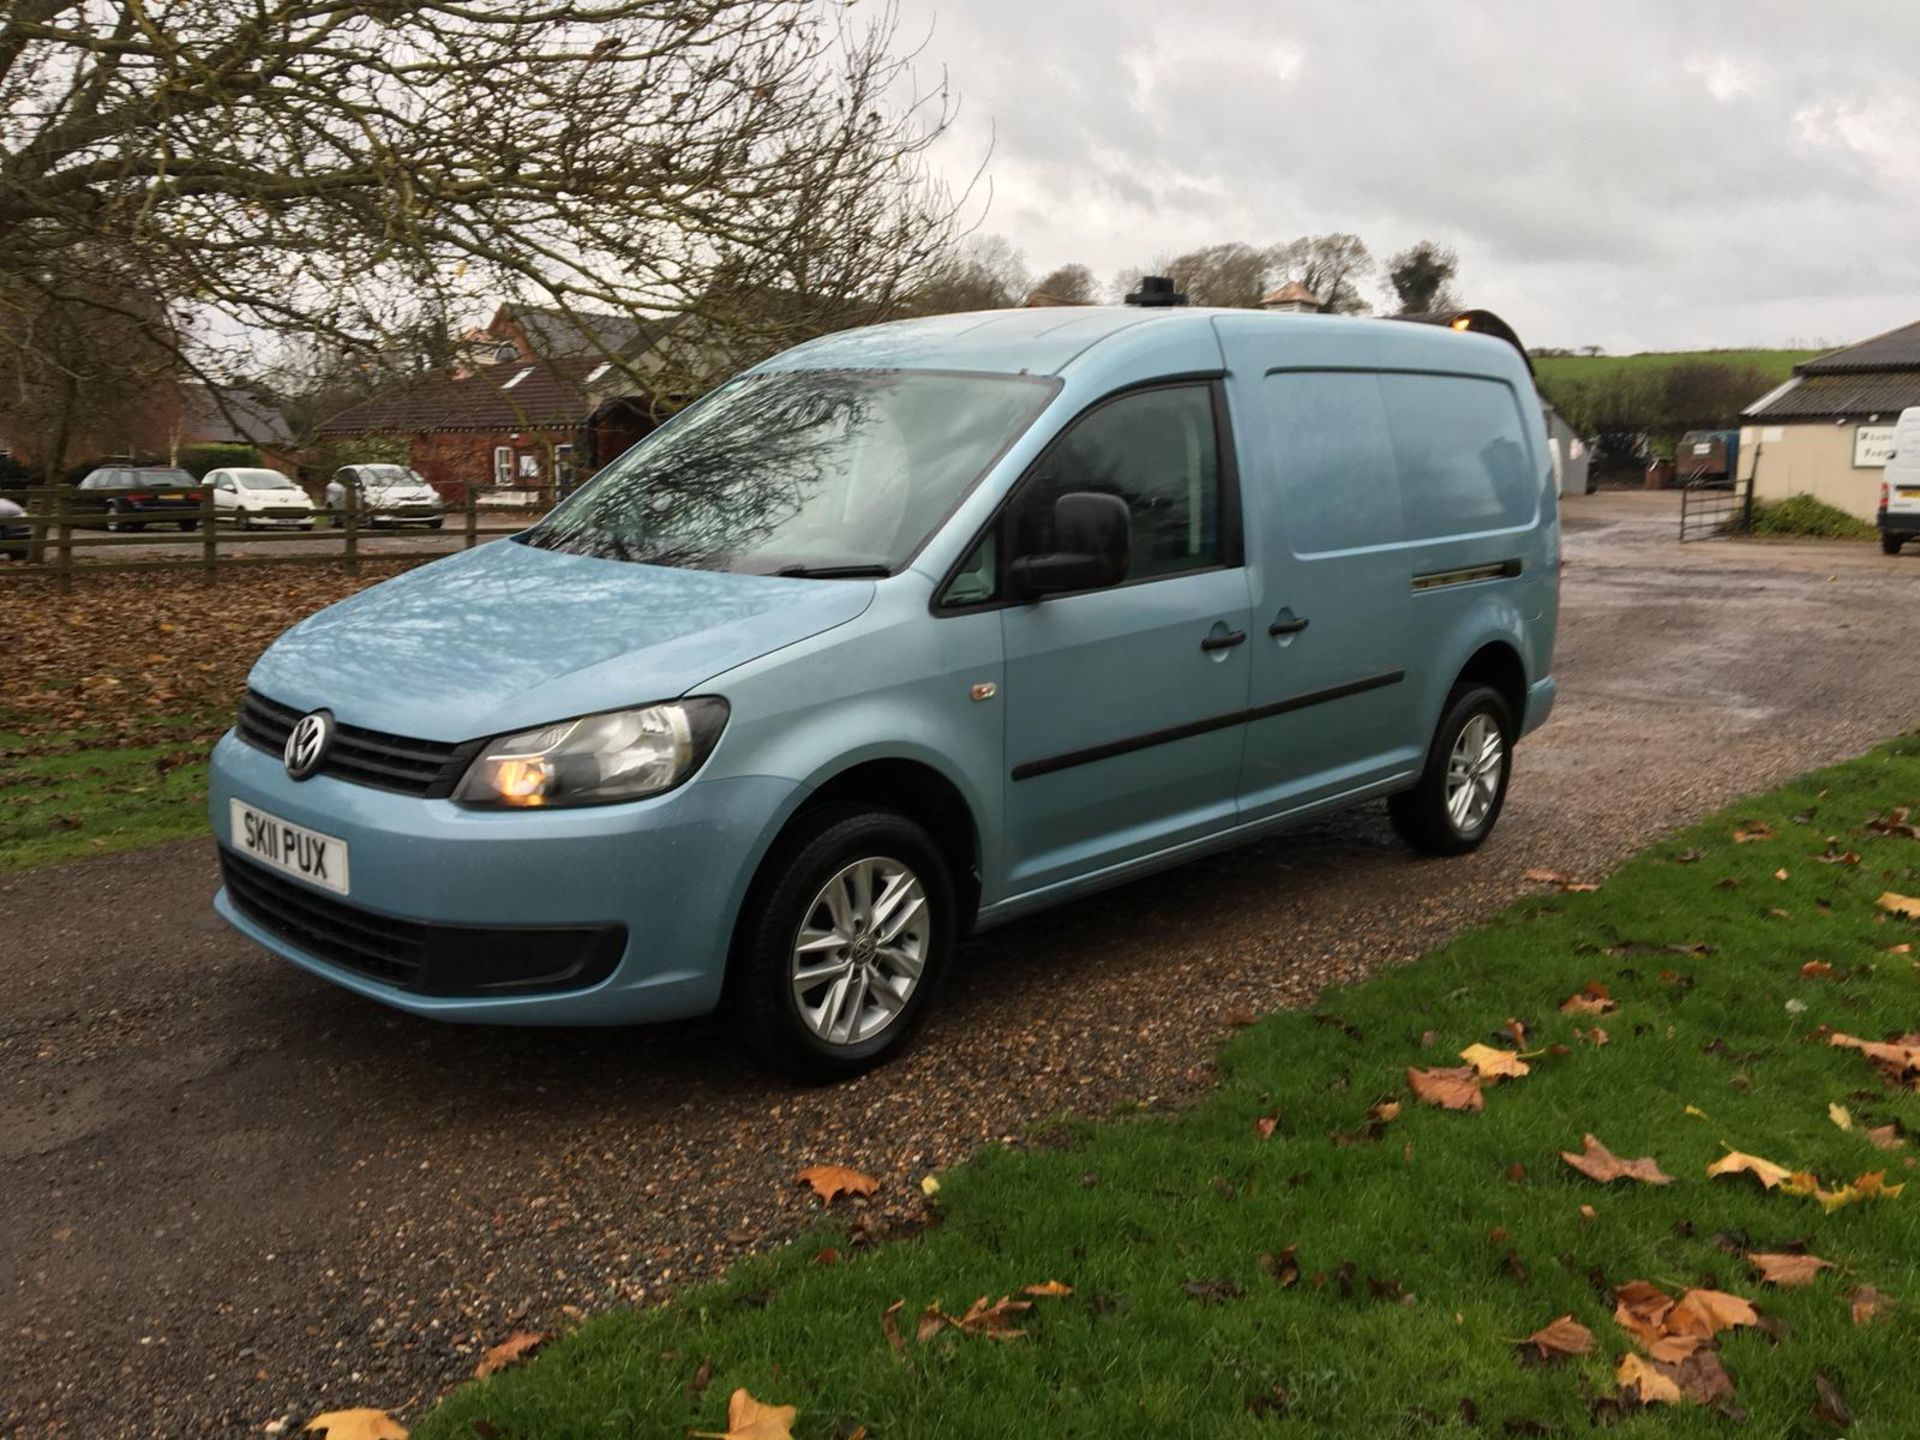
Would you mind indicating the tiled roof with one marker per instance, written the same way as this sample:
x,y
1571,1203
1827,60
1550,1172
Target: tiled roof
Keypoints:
x,y
1291,293
556,335
253,421
1895,350
538,395
1831,396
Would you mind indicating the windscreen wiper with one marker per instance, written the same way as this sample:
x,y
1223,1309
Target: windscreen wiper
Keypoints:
x,y
835,572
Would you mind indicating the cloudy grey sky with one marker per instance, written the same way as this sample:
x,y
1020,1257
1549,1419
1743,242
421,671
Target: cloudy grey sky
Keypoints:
x,y
1639,174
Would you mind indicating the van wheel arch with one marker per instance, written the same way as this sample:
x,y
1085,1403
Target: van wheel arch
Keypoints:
x,y
910,788
1497,664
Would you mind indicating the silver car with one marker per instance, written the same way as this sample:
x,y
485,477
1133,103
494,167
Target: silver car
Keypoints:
x,y
386,495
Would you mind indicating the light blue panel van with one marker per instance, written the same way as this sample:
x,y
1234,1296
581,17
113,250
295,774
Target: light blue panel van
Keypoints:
x,y
904,633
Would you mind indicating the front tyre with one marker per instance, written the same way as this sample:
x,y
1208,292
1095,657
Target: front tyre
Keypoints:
x,y
843,943
1458,799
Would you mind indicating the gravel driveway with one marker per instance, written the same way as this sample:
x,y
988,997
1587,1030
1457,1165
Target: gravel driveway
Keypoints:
x,y
230,1194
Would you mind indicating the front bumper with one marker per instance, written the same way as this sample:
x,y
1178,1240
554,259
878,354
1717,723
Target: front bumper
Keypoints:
x,y
1898,522
670,873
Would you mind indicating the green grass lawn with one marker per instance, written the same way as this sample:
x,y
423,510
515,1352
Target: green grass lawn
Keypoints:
x,y
1776,365
1426,1248
65,795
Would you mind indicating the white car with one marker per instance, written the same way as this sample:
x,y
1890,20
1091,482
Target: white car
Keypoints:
x,y
386,495
259,499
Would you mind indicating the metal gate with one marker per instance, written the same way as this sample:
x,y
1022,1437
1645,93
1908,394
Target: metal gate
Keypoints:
x,y
1714,507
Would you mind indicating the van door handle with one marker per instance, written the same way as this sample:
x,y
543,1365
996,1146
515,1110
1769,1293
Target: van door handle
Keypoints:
x,y
1287,623
1224,642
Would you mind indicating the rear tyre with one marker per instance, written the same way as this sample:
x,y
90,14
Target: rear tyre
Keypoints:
x,y
1890,544
436,523
843,943
1458,799
189,524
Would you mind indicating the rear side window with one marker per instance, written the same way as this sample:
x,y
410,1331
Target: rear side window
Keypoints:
x,y
1155,449
1334,460
1462,455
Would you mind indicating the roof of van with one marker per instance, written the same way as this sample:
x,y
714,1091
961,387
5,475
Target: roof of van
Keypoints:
x,y
1030,341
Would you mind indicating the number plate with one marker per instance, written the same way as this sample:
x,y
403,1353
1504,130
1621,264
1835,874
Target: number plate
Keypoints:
x,y
291,849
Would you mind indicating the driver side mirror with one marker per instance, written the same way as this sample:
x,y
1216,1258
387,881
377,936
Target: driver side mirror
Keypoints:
x,y
1092,548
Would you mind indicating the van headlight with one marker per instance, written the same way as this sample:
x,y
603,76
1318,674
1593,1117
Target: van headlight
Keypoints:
x,y
597,759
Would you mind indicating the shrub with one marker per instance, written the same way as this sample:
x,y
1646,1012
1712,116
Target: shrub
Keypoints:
x,y
1804,515
197,460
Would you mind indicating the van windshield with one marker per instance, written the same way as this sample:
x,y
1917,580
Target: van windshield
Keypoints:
x,y
799,472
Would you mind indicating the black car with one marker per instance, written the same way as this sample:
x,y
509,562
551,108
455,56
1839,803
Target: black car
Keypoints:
x,y
154,493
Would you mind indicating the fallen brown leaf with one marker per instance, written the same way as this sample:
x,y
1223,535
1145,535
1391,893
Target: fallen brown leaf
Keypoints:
x,y
996,1320
932,1322
1865,1304
1885,1137
361,1424
1595,1037
1560,880
1829,1404
510,1351
1707,1312
1640,1380
890,1326
1840,1115
1597,1162
1788,1271
1905,905
1563,1337
1264,1127
1492,1064
749,1419
829,1181
1048,1289
1591,999
1282,1267
1899,1061
1454,1089
1735,1162
1816,970
1754,830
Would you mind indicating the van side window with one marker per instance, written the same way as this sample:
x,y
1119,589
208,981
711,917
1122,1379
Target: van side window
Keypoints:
x,y
1158,451
1333,456
978,580
1462,454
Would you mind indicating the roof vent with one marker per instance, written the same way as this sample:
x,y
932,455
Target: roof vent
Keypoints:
x,y
1156,291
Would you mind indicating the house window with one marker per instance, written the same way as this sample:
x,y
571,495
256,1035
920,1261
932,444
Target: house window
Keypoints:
x,y
530,466
563,466
503,464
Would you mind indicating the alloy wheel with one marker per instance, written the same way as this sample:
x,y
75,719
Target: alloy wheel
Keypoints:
x,y
1474,768
860,950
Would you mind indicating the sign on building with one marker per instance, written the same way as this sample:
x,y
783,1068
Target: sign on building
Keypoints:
x,y
1872,446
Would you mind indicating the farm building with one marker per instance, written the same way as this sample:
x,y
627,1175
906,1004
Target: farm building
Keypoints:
x,y
1828,431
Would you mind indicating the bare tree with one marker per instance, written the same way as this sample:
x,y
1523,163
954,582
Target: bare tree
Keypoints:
x,y
1230,274
1070,285
983,272
333,169
1331,266
1422,278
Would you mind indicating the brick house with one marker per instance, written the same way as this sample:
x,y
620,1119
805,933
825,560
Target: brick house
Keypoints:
x,y
535,401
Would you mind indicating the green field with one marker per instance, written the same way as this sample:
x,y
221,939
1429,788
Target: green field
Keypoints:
x,y
1776,365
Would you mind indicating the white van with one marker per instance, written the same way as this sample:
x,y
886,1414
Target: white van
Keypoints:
x,y
1899,517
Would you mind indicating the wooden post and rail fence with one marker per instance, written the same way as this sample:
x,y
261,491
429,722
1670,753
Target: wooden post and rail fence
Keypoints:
x,y
63,541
